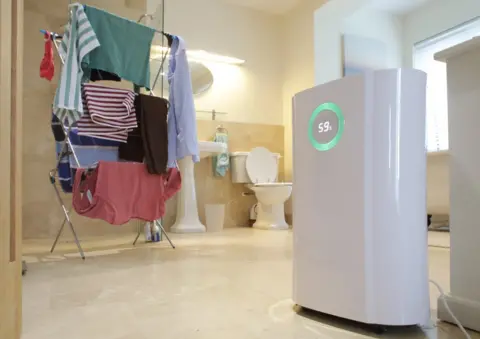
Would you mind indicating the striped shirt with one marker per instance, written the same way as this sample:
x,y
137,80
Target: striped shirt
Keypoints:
x,y
109,113
79,39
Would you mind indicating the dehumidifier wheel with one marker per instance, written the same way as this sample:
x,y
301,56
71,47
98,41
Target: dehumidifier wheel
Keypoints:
x,y
379,330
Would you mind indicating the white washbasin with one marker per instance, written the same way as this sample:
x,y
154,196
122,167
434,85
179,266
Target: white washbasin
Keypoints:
x,y
187,220
209,148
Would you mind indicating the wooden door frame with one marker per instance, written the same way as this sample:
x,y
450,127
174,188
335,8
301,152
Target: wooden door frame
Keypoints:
x,y
11,97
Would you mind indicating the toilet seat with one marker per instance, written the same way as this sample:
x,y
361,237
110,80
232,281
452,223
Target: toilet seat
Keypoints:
x,y
261,166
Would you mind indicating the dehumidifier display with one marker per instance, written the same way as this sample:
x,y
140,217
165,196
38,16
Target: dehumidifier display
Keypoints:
x,y
326,126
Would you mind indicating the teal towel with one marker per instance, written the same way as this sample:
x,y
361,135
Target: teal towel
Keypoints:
x,y
124,47
221,162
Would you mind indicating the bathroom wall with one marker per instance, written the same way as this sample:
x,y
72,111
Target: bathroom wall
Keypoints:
x,y
214,190
298,63
298,69
42,216
249,93
353,17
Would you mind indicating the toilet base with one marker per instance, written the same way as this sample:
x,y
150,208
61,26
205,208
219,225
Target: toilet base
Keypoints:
x,y
271,217
262,225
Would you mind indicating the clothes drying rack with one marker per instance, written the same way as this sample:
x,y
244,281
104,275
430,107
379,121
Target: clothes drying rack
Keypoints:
x,y
67,150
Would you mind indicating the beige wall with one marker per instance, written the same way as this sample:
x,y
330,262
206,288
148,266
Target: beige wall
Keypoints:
x,y
249,93
298,67
42,215
438,183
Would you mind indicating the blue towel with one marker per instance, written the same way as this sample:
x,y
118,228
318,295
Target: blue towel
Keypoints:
x,y
221,162
89,150
65,174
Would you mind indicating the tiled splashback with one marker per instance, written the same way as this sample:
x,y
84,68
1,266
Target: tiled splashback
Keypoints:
x,y
214,190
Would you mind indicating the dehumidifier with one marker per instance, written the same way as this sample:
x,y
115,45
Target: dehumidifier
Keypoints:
x,y
359,198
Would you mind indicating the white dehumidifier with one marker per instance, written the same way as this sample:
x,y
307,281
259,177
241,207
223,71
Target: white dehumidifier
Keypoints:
x,y
359,199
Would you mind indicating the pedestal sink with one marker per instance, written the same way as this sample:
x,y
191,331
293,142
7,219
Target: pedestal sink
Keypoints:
x,y
187,211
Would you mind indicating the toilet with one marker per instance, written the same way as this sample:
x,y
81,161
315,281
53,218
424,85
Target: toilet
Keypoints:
x,y
258,170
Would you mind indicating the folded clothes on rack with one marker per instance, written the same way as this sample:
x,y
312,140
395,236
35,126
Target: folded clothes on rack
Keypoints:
x,y
109,113
120,191
97,40
88,150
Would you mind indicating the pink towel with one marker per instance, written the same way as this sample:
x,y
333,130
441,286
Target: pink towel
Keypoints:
x,y
119,191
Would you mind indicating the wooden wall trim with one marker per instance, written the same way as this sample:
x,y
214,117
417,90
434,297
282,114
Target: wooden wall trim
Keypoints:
x,y
11,99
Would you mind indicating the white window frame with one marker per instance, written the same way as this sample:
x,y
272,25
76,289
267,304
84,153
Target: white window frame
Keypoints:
x,y
437,102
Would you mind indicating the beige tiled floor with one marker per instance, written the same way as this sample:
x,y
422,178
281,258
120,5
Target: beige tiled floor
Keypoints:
x,y
235,285
439,239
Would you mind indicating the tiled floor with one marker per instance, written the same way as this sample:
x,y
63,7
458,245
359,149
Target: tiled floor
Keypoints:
x,y
235,285
439,239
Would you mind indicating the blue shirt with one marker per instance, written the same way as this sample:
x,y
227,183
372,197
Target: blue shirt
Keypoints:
x,y
182,124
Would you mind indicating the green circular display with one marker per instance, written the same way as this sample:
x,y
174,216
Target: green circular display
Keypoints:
x,y
328,106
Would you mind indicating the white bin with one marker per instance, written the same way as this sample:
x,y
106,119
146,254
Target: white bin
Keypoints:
x,y
214,217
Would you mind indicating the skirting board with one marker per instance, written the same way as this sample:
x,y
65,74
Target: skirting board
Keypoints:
x,y
466,311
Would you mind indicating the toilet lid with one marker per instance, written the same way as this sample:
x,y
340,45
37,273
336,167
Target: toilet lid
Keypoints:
x,y
261,165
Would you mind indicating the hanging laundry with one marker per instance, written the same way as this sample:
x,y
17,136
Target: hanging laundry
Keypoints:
x,y
133,149
62,152
182,124
91,150
88,150
109,112
120,191
47,65
78,41
99,75
125,46
149,142
153,112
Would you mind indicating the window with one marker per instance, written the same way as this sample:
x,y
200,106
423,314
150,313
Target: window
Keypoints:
x,y
437,103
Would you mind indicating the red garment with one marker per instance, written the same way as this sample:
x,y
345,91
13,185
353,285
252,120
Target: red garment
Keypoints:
x,y
47,66
119,191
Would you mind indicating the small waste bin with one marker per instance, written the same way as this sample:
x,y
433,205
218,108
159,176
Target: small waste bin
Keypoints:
x,y
214,217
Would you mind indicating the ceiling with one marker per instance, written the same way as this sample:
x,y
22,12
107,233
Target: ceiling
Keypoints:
x,y
397,6
284,6
270,6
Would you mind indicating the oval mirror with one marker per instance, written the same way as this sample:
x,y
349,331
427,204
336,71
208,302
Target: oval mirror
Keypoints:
x,y
202,77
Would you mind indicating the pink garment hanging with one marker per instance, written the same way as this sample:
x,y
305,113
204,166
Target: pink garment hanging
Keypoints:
x,y
120,191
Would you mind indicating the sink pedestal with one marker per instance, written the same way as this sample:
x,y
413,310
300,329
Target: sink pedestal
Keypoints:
x,y
187,210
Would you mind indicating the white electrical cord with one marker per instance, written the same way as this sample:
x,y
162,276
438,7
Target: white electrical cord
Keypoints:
x,y
457,322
